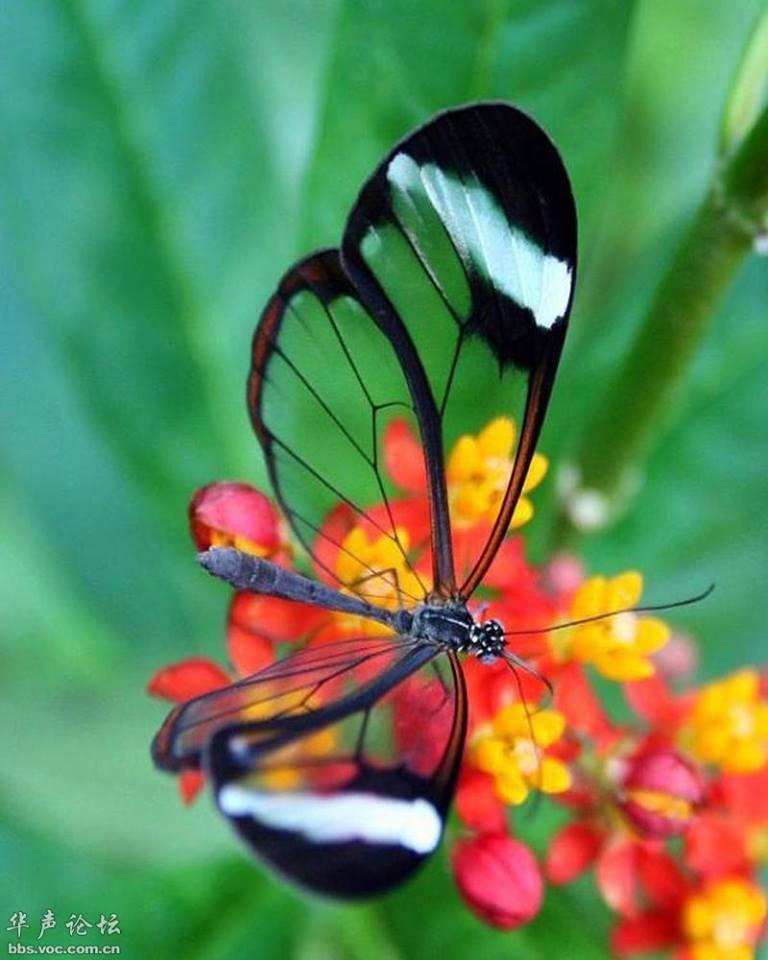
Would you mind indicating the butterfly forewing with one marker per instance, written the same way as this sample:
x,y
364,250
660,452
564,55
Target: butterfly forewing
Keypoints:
x,y
463,246
324,381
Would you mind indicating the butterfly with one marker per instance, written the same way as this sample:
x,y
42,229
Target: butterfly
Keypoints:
x,y
450,292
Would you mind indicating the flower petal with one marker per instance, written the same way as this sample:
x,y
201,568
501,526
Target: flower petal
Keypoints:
x,y
511,787
478,804
623,665
648,932
404,457
572,851
513,720
625,590
190,782
590,598
523,513
547,727
463,460
616,875
234,514
256,623
716,845
536,472
187,679
652,635
497,438
554,776
576,699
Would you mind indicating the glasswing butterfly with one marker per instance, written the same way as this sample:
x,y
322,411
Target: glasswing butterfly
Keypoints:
x,y
449,295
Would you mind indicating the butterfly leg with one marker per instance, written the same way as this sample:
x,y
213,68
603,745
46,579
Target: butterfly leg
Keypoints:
x,y
382,574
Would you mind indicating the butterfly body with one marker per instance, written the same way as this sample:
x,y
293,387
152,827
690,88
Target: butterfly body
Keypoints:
x,y
448,624
449,295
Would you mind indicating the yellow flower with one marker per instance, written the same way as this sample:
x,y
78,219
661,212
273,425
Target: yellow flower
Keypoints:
x,y
376,570
620,646
478,471
511,749
722,922
728,724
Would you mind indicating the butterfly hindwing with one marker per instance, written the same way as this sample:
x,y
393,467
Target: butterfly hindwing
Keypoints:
x,y
336,765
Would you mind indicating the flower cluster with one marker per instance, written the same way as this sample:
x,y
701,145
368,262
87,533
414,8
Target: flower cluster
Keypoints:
x,y
667,807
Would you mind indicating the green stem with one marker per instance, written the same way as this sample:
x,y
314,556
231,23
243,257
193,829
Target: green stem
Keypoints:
x,y
718,240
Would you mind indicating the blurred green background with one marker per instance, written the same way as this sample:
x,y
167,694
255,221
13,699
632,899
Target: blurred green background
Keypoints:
x,y
161,163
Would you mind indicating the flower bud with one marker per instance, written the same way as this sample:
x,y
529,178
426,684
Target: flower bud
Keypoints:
x,y
660,792
499,879
234,515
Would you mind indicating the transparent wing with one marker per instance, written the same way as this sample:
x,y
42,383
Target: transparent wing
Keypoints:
x,y
324,380
463,246
299,684
447,304
336,765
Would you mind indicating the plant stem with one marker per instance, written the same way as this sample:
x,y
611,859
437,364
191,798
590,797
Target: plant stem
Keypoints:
x,y
717,241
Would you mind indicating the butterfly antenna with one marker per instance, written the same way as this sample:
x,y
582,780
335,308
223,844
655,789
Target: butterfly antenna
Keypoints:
x,y
644,608
514,662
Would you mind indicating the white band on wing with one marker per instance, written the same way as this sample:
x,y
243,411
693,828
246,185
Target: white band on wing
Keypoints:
x,y
509,259
414,824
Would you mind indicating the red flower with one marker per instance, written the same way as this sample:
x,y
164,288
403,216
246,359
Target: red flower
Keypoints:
x,y
731,835
404,457
478,803
649,931
661,792
499,879
653,701
183,681
575,697
234,515
631,787
631,873
187,679
573,850
256,624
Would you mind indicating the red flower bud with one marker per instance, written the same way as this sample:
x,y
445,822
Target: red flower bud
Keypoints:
x,y
661,791
499,879
234,514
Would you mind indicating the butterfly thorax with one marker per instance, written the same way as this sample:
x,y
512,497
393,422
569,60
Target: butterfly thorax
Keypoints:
x,y
451,625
